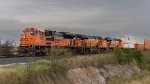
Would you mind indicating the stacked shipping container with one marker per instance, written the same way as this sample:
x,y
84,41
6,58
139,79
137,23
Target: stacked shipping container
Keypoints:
x,y
147,44
132,42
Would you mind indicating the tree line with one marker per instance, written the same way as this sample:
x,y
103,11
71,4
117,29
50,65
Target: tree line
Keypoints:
x,y
8,48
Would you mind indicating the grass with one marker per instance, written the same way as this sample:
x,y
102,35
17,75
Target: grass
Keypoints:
x,y
97,60
45,71
35,73
142,78
59,53
129,56
139,58
29,74
40,68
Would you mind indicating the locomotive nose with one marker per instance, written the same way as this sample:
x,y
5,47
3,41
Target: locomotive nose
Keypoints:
x,y
26,40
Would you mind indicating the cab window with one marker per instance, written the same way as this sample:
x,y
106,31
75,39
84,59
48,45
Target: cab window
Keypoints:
x,y
34,33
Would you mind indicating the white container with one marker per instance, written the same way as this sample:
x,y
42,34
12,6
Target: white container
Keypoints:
x,y
131,45
128,45
125,45
132,39
128,39
139,40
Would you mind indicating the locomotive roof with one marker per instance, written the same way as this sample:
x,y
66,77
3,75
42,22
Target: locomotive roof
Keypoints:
x,y
39,29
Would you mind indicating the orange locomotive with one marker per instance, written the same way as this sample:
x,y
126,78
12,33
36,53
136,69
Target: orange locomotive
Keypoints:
x,y
32,36
37,40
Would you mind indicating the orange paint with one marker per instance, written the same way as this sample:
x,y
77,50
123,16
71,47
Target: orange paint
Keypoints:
x,y
32,36
139,46
147,44
102,43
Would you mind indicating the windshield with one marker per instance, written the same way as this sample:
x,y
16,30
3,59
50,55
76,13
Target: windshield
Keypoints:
x,y
34,33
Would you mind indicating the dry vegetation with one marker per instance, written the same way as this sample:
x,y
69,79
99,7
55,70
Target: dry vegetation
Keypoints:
x,y
45,71
142,59
142,78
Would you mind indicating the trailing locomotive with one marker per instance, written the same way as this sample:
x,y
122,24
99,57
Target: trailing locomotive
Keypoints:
x,y
37,40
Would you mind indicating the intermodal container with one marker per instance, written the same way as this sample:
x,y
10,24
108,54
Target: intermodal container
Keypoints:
x,y
147,44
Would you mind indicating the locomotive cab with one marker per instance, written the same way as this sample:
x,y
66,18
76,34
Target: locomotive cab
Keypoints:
x,y
32,36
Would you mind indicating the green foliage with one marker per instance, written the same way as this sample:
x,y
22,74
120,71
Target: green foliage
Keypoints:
x,y
138,57
123,55
145,60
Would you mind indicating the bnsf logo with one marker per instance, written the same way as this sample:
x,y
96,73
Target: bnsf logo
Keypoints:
x,y
26,39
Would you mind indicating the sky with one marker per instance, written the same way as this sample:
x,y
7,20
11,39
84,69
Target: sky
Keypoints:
x,y
91,17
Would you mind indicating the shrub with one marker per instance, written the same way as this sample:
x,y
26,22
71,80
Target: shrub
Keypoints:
x,y
145,60
138,57
132,57
121,55
127,55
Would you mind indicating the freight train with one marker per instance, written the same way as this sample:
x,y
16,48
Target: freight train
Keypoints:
x,y
38,40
